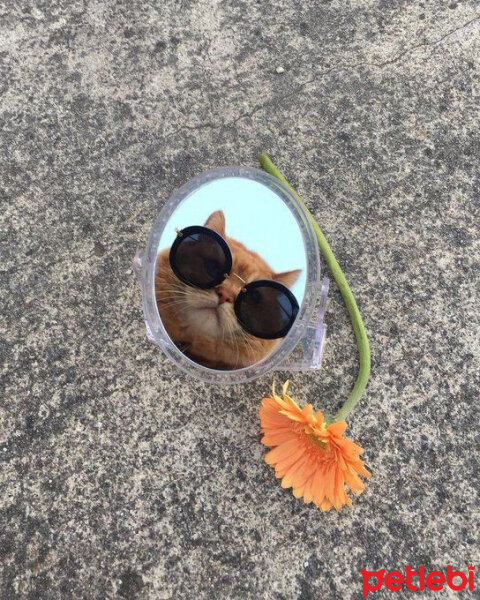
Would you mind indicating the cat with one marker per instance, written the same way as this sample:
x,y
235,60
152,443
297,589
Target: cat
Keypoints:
x,y
202,323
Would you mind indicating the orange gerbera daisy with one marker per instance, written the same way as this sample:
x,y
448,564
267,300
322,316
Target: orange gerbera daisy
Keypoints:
x,y
310,455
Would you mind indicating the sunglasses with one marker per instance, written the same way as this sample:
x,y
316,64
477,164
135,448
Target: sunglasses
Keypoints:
x,y
201,258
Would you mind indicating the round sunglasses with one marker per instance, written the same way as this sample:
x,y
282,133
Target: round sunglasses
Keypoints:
x,y
201,258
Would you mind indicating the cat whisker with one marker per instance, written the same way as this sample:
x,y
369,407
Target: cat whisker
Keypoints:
x,y
225,328
171,295
174,303
169,298
172,290
234,341
235,345
249,347
249,341
221,321
231,330
176,286
182,288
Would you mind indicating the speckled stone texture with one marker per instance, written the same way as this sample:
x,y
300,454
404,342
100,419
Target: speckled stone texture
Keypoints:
x,y
120,476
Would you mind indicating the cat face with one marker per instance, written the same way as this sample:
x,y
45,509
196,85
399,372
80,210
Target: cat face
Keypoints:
x,y
203,322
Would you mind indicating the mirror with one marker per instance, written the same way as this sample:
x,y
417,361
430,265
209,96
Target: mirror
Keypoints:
x,y
230,273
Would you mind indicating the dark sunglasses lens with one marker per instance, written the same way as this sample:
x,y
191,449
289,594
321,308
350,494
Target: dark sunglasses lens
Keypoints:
x,y
267,311
200,260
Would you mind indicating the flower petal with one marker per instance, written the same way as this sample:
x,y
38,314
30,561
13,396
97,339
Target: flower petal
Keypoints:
x,y
281,452
338,428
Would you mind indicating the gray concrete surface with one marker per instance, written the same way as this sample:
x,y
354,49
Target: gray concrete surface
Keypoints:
x,y
122,478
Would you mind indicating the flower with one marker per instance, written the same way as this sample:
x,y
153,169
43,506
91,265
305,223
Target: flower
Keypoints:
x,y
309,454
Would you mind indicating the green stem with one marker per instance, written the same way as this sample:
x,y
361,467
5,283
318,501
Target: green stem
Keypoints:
x,y
347,295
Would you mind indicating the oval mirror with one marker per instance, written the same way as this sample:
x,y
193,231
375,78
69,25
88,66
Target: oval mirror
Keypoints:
x,y
232,268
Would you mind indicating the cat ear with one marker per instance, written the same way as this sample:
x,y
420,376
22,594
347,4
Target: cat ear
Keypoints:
x,y
216,221
288,278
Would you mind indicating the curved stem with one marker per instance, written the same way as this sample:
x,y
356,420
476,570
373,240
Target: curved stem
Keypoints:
x,y
347,295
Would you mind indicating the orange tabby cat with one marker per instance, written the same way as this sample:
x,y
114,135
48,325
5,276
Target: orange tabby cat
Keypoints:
x,y
202,323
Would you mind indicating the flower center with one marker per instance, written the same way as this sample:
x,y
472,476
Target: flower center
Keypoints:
x,y
317,441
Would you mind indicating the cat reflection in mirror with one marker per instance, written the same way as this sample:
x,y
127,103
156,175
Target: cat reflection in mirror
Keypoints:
x,y
202,323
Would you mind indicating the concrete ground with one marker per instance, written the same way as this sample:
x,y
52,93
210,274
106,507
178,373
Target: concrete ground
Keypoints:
x,y
120,476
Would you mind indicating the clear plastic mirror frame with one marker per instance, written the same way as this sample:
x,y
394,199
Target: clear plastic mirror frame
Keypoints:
x,y
308,328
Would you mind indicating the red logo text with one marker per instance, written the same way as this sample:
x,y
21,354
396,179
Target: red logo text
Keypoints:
x,y
418,580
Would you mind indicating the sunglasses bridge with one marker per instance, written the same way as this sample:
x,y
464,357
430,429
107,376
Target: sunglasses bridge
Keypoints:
x,y
226,275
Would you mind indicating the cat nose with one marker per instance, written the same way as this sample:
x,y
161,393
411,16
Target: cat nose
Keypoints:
x,y
224,295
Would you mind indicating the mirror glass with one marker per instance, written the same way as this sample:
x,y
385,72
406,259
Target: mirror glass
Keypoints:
x,y
231,272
